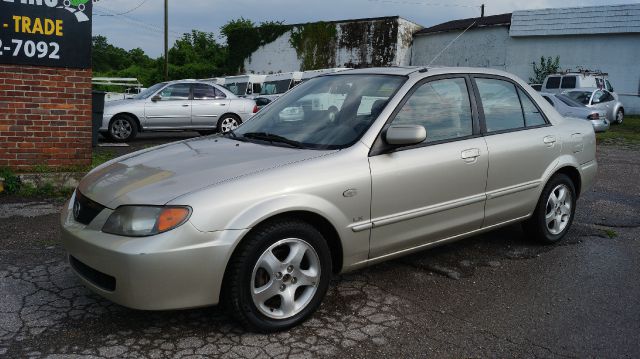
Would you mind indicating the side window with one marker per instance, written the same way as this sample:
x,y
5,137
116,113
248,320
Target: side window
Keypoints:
x,y
175,92
553,82
609,87
502,110
568,82
442,107
597,97
606,97
219,94
532,116
203,92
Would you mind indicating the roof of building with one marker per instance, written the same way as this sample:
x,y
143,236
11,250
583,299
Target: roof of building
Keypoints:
x,y
364,19
493,20
586,20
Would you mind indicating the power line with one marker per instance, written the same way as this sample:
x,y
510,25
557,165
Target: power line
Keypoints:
x,y
128,11
133,20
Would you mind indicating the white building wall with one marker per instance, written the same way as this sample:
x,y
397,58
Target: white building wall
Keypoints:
x,y
616,54
406,29
274,57
483,47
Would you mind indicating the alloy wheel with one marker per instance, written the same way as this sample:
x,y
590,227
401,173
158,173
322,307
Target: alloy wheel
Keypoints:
x,y
558,209
121,129
285,278
228,124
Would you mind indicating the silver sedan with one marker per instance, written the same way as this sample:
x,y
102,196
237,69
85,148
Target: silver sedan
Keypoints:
x,y
600,100
568,107
261,218
178,105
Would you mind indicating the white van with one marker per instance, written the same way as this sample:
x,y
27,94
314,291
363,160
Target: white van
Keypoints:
x,y
570,80
276,84
248,85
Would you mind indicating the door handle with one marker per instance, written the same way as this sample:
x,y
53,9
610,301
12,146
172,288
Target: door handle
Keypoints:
x,y
549,140
222,104
185,105
470,155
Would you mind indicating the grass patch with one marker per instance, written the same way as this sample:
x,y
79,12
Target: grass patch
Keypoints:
x,y
610,233
626,134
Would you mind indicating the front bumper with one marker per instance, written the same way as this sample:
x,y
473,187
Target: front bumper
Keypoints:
x,y
600,125
182,268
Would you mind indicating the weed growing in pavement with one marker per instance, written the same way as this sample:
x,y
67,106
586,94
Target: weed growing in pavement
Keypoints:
x,y
610,233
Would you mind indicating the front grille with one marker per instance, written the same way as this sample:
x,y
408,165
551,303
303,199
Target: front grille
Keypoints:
x,y
84,209
98,278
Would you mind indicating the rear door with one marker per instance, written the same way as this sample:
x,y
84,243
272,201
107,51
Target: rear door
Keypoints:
x,y
433,190
208,105
172,109
521,143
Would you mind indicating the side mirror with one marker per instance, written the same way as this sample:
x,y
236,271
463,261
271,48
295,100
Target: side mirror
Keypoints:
x,y
404,135
156,98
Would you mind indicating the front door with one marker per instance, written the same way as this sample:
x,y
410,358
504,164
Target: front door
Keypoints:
x,y
171,108
434,190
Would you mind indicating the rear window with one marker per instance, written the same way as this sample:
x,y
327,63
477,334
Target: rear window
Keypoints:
x,y
553,82
568,101
568,82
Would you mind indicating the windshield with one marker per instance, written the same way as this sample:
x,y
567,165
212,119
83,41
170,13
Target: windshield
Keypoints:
x,y
582,97
329,112
150,91
569,101
238,88
275,87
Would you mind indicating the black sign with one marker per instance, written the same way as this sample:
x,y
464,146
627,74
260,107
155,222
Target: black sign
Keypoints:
x,y
54,33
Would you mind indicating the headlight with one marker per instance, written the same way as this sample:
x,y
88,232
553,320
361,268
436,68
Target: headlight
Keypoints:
x,y
140,221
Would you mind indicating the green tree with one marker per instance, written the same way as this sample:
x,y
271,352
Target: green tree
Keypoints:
x,y
546,67
196,55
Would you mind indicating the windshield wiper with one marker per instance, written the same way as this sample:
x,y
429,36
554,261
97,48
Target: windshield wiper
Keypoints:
x,y
270,137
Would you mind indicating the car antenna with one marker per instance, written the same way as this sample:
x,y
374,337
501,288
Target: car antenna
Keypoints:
x,y
450,43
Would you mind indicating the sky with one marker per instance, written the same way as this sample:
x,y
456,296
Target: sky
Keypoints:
x,y
139,23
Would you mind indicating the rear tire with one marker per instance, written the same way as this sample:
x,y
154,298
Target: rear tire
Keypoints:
x,y
554,212
278,276
228,122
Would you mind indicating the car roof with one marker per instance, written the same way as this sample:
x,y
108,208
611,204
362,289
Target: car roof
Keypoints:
x,y
430,71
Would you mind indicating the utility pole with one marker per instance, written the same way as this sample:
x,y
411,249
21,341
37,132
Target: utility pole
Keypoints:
x,y
166,40
482,10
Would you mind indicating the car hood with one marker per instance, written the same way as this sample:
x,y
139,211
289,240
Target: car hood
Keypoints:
x,y
157,176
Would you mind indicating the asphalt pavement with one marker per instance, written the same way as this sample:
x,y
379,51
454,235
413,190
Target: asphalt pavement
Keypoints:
x,y
493,295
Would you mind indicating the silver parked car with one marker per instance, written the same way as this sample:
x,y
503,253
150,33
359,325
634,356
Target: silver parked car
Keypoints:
x,y
260,218
568,107
176,105
600,100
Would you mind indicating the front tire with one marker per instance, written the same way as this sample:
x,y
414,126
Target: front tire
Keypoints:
x,y
228,123
123,128
619,116
278,276
555,211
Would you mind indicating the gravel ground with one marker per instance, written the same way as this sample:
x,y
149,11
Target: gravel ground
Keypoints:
x,y
494,295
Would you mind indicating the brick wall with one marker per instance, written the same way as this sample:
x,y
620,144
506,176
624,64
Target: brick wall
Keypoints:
x,y
45,117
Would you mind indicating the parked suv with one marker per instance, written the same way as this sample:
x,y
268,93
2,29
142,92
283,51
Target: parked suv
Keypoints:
x,y
558,83
177,105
